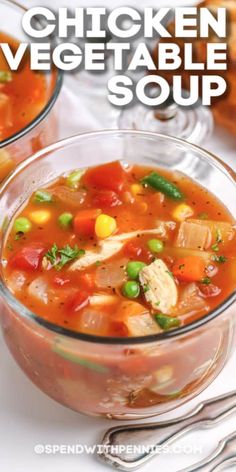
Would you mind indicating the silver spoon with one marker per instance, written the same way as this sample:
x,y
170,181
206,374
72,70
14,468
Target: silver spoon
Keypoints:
x,y
117,439
224,456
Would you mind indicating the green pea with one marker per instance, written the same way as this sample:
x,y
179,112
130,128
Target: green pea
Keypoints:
x,y
131,289
155,245
42,196
65,220
73,179
22,225
167,322
133,268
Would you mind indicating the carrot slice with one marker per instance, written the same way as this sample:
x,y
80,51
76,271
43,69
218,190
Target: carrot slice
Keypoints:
x,y
84,222
189,269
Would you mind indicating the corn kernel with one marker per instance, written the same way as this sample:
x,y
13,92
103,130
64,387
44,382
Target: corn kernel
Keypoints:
x,y
105,226
182,211
40,217
136,189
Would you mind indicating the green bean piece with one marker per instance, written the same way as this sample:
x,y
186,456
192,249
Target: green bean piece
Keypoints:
x,y
160,183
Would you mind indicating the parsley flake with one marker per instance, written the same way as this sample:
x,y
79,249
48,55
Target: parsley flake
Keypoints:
x,y
60,257
219,259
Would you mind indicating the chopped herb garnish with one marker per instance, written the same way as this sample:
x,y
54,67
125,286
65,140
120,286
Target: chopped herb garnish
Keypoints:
x,y
42,196
10,247
5,76
167,322
170,273
219,259
19,235
97,263
215,247
206,281
146,288
60,257
69,254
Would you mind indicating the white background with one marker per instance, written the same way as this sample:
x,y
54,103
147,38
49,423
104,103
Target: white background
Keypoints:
x,y
27,416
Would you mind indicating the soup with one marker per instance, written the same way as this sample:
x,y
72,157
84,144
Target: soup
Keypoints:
x,y
121,251
23,96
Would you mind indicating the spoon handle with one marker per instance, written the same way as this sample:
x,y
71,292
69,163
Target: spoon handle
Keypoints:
x,y
130,446
224,455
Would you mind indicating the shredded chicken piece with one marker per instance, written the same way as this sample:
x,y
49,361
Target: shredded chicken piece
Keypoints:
x,y
159,286
194,236
106,250
161,230
114,244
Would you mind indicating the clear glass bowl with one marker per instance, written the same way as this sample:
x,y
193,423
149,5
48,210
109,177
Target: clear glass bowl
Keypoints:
x,y
113,377
43,130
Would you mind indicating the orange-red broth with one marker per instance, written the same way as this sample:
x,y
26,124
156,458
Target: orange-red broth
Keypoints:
x,y
22,96
134,208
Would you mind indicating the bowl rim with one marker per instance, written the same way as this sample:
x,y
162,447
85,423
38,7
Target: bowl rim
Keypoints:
x,y
24,312
50,103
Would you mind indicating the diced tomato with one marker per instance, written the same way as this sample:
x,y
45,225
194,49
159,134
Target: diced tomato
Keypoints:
x,y
84,222
108,176
106,198
134,250
61,281
189,269
28,257
78,301
210,290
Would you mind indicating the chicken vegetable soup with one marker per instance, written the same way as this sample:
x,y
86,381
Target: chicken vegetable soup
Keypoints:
x,y
23,93
121,250
23,96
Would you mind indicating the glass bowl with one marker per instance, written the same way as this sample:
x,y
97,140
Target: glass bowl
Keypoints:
x,y
122,378
43,130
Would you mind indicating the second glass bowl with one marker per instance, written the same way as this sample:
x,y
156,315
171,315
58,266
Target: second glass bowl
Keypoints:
x,y
43,130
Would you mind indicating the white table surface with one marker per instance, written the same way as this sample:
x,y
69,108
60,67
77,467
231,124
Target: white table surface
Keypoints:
x,y
27,416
